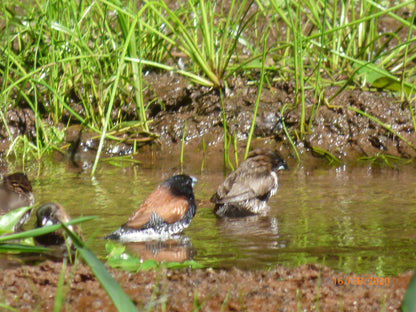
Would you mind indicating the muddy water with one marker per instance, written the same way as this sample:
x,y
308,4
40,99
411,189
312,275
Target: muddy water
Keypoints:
x,y
354,219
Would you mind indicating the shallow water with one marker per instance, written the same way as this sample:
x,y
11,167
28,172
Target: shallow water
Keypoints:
x,y
353,219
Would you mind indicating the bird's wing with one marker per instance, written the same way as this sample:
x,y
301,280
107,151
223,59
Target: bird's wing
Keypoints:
x,y
240,186
168,207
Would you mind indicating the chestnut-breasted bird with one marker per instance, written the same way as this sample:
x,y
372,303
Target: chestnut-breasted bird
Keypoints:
x,y
165,212
16,192
247,189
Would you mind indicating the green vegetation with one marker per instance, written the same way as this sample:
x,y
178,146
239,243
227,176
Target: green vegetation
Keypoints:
x,y
27,246
409,300
82,63
113,289
117,257
7,221
10,219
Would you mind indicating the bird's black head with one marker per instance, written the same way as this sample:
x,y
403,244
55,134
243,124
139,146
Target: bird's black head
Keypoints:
x,y
273,158
278,162
50,214
180,185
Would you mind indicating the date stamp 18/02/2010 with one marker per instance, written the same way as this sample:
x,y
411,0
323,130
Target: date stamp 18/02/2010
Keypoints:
x,y
359,280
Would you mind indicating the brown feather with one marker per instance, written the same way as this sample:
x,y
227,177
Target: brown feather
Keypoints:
x,y
168,207
252,179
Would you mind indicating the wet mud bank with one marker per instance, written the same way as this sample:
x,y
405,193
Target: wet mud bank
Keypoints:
x,y
309,287
357,123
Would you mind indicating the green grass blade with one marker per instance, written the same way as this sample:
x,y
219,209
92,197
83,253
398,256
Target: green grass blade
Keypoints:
x,y
129,36
409,300
121,65
8,308
18,248
10,219
287,133
183,145
60,296
253,121
113,289
225,131
187,74
41,231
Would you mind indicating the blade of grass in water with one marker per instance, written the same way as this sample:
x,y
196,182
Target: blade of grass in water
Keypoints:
x,y
287,133
235,149
204,150
256,106
183,145
224,126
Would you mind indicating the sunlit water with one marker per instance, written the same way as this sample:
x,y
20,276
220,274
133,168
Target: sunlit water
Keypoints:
x,y
353,219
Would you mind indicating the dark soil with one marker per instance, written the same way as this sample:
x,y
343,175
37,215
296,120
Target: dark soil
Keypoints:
x,y
306,288
342,132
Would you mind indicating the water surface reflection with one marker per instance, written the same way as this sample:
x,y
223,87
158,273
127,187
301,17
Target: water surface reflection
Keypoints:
x,y
360,219
176,249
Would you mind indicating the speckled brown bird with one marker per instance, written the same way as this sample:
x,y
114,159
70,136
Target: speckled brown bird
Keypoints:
x,y
247,189
165,212
16,192
52,214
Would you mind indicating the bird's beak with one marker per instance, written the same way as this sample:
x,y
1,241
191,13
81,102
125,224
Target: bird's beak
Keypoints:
x,y
283,166
194,181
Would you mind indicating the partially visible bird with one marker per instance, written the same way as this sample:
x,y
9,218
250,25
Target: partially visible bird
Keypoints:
x,y
52,214
165,212
247,189
16,192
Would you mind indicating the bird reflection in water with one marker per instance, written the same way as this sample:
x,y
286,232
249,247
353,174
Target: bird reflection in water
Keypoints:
x,y
176,249
258,231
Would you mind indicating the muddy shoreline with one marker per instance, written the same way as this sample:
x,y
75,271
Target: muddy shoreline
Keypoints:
x,y
309,287
342,129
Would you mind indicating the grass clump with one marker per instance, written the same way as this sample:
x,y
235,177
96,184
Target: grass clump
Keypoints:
x,y
340,44
85,63
205,33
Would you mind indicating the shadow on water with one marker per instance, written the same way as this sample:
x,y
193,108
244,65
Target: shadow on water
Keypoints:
x,y
351,218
